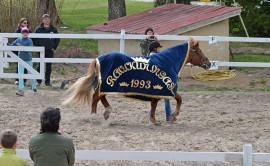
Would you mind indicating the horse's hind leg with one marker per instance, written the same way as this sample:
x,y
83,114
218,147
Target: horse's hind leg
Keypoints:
x,y
152,119
108,108
178,99
94,103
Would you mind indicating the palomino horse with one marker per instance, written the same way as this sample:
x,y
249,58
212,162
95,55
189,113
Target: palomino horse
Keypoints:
x,y
82,89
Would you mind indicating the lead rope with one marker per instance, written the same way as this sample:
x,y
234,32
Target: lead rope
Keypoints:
x,y
212,75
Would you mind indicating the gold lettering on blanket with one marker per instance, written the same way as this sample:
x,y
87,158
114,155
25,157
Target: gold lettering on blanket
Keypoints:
x,y
120,70
140,84
135,83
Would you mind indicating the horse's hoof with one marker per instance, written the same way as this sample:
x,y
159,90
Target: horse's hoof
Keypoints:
x,y
156,123
93,117
107,112
106,123
145,119
172,118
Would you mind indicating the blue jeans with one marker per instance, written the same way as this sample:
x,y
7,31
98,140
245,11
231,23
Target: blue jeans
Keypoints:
x,y
21,71
168,110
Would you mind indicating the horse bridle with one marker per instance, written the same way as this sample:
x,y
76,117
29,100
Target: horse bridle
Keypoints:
x,y
203,59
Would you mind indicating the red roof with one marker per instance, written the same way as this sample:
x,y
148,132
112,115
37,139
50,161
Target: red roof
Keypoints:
x,y
166,18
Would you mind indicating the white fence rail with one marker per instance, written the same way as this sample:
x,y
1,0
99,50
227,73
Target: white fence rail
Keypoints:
x,y
246,157
122,37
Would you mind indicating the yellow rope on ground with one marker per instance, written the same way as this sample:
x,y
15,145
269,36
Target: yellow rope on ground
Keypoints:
x,y
213,75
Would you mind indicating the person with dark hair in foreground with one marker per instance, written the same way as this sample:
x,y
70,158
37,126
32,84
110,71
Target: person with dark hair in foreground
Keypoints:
x,y
49,147
8,155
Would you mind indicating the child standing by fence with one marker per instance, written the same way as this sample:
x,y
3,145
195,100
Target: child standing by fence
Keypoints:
x,y
25,56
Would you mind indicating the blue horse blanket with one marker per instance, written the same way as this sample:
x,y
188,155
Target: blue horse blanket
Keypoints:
x,y
152,76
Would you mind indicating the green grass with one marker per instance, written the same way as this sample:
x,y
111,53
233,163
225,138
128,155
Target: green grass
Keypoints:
x,y
245,44
249,58
79,14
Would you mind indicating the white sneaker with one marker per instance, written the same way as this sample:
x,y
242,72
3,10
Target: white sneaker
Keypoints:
x,y
16,82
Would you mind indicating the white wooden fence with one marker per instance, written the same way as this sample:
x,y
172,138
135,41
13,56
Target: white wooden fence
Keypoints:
x,y
246,157
123,36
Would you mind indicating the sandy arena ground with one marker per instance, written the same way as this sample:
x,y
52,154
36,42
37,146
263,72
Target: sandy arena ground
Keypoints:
x,y
209,121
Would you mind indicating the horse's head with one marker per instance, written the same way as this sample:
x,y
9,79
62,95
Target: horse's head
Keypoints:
x,y
196,56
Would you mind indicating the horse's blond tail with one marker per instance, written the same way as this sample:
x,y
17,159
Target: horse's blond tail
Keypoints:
x,y
82,89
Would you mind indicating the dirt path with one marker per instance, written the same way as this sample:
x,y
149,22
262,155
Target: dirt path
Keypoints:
x,y
209,121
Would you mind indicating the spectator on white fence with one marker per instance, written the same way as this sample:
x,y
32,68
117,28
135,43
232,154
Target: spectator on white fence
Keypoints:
x,y
50,147
22,23
50,45
145,42
8,155
26,56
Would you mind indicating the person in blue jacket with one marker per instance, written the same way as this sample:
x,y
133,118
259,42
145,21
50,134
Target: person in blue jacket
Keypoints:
x,y
25,56
22,23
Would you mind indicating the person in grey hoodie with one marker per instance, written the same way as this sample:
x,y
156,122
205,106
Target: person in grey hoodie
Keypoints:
x,y
25,56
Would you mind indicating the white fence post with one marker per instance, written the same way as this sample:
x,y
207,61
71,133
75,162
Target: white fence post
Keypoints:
x,y
122,41
42,63
247,155
6,64
1,56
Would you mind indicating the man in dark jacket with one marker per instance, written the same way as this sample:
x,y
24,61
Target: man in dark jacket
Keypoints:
x,y
50,45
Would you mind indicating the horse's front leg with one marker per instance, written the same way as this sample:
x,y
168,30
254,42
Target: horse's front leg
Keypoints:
x,y
178,99
107,106
152,119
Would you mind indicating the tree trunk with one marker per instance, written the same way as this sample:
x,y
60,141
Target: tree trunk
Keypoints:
x,y
48,7
116,8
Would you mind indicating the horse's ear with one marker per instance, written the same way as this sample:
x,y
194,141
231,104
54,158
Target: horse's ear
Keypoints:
x,y
196,43
191,40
